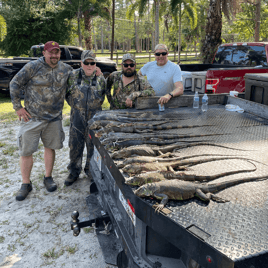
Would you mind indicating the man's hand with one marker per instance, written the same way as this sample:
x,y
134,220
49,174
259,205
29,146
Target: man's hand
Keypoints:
x,y
164,99
22,113
129,102
98,71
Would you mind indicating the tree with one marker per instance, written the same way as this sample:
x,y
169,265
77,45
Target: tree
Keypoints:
x,y
29,23
245,23
181,7
214,27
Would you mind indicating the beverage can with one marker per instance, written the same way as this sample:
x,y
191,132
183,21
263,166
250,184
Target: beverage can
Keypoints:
x,y
161,107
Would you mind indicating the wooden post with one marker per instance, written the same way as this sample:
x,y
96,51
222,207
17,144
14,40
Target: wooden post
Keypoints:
x,y
149,56
117,58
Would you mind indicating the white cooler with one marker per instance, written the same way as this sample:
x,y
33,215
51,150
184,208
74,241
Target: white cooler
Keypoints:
x,y
199,81
186,80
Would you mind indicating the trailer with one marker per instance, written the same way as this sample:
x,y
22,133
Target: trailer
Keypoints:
x,y
189,233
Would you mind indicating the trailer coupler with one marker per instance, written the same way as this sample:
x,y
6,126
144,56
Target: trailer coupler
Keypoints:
x,y
102,222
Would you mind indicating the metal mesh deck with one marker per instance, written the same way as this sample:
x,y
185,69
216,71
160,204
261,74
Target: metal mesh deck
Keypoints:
x,y
237,228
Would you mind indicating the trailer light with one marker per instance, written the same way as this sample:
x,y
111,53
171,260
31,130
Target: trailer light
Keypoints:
x,y
211,85
209,259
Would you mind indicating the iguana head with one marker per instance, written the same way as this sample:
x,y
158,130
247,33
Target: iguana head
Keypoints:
x,y
135,181
145,190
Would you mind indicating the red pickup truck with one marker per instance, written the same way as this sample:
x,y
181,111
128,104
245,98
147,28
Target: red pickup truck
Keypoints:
x,y
231,62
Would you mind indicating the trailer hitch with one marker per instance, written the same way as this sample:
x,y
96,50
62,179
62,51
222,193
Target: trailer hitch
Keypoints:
x,y
103,221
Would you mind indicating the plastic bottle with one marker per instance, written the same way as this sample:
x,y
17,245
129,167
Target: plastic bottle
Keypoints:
x,y
161,107
204,107
196,100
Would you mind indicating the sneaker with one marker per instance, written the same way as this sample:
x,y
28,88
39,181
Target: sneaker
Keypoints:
x,y
24,190
70,180
51,186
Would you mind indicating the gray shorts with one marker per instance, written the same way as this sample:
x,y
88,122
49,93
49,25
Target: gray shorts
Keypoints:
x,y
51,134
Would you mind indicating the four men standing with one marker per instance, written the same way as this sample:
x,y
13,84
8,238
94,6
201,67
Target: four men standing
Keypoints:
x,y
46,81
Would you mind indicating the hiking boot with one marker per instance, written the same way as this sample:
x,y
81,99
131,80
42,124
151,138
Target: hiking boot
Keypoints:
x,y
51,186
24,190
70,180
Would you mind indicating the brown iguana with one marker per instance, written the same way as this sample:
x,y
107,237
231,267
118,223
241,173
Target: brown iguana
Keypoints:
x,y
156,176
147,150
183,190
137,168
151,159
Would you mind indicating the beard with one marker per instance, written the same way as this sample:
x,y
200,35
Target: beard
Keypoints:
x,y
129,72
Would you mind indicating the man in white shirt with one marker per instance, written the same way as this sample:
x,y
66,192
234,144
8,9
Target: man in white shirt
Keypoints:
x,y
163,75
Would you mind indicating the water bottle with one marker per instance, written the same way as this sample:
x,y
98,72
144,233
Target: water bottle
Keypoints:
x,y
196,100
161,107
204,107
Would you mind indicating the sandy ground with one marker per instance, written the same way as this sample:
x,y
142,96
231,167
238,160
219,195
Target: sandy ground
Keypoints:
x,y
36,232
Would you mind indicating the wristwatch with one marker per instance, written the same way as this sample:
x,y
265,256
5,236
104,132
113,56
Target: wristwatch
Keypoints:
x,y
171,95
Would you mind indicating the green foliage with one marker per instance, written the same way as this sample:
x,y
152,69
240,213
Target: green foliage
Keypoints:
x,y
244,24
3,28
31,23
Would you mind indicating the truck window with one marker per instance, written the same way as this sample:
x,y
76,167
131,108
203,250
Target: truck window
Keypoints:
x,y
76,53
241,55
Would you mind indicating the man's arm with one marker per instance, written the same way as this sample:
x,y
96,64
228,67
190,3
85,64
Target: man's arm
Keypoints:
x,y
16,85
145,91
109,84
177,91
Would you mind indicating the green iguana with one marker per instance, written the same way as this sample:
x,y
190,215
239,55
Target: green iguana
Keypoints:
x,y
147,150
137,168
156,176
183,190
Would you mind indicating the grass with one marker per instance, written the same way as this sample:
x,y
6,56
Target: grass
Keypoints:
x,y
7,113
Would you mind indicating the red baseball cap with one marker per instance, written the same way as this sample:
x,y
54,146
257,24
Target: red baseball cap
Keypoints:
x,y
51,45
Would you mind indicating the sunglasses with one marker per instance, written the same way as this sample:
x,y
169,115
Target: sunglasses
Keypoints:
x,y
89,63
161,53
126,65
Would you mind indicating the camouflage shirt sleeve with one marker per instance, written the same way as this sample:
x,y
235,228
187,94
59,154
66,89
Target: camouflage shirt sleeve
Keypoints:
x,y
109,84
19,81
145,87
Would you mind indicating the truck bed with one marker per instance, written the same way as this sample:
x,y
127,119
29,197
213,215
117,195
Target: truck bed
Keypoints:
x,y
232,234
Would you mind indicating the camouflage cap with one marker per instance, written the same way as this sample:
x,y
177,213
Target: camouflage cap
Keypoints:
x,y
128,56
161,46
51,45
88,54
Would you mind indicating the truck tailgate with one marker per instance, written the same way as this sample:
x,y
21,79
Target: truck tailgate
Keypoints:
x,y
232,234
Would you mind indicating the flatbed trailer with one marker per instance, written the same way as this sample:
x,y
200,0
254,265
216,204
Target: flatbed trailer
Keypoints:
x,y
192,234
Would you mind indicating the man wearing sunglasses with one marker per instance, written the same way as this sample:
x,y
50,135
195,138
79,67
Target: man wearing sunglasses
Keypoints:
x,y
128,85
85,94
163,75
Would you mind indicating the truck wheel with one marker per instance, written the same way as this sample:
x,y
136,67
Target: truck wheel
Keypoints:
x,y
122,260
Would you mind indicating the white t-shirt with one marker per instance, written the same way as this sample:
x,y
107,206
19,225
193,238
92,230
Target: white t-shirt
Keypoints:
x,y
162,78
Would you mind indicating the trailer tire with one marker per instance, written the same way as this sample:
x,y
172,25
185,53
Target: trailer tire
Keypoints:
x,y
122,260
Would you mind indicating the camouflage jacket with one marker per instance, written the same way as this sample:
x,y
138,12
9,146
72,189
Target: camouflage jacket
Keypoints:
x,y
85,97
44,89
139,87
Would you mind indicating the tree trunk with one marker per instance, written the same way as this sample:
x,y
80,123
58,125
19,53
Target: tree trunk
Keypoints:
x,y
88,25
94,37
213,32
156,22
113,18
101,39
179,41
136,35
79,27
257,21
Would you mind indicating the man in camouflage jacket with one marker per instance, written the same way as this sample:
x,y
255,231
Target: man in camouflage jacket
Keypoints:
x,y
44,82
128,85
85,95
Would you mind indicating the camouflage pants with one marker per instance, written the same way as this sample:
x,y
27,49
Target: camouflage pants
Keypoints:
x,y
78,138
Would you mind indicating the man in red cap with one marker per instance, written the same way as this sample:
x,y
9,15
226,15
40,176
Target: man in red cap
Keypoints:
x,y
44,82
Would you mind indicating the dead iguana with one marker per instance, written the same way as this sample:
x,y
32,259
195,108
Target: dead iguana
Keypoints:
x,y
156,176
158,150
183,190
137,168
